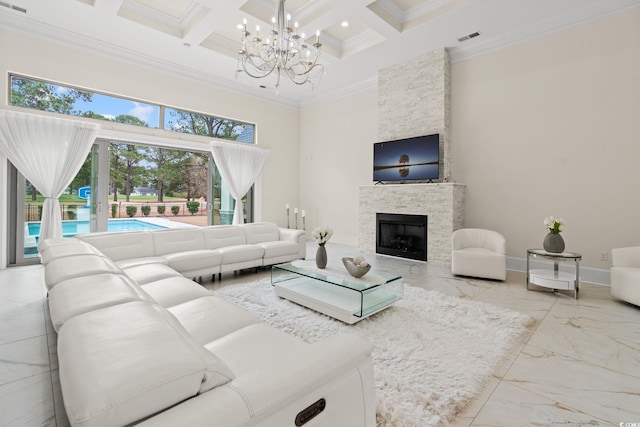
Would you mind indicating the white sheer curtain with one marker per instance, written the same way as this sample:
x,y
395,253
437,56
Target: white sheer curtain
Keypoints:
x,y
240,165
49,152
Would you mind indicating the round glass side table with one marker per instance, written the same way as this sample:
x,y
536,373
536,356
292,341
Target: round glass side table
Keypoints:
x,y
555,280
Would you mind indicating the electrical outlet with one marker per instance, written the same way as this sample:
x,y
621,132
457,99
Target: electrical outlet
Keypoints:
x,y
604,256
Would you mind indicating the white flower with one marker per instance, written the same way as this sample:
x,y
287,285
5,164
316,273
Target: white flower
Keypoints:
x,y
322,234
553,224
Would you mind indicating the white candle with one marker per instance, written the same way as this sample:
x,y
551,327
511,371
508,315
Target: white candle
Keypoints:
x,y
303,213
295,210
287,206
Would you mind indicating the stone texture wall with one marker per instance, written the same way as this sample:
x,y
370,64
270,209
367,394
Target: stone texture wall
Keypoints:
x,y
413,100
443,203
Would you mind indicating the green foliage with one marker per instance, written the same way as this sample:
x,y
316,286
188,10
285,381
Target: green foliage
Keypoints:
x,y
40,213
114,209
71,214
146,210
161,209
175,209
131,211
45,97
193,207
200,124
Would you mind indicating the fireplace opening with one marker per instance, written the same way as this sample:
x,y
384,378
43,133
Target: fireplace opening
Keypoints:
x,y
402,235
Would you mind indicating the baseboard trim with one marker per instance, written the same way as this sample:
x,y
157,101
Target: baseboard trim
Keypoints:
x,y
597,276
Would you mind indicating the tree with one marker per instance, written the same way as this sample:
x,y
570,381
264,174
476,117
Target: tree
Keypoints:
x,y
125,159
199,124
45,97
196,175
168,174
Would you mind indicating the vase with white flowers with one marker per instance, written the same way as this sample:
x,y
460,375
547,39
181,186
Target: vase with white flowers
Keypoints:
x,y
553,242
322,236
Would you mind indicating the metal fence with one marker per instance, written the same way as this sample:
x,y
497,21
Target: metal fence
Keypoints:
x,y
33,211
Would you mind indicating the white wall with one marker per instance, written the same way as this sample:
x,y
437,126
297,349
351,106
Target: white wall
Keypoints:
x,y
547,127
552,127
277,126
336,155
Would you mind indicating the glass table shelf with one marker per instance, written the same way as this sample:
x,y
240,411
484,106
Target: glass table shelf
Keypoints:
x,y
332,291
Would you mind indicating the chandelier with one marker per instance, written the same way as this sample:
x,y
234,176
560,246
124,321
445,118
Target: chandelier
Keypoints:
x,y
283,52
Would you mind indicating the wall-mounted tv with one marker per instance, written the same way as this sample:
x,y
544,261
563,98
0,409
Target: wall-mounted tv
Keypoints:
x,y
410,159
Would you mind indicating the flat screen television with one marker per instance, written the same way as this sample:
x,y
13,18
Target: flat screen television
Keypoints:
x,y
410,159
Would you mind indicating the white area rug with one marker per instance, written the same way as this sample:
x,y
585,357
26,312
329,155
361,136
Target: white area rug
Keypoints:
x,y
433,353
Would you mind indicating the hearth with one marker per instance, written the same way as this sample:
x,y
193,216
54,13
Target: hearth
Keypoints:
x,y
402,235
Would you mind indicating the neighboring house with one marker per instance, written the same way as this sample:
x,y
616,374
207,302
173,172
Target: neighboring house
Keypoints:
x,y
144,191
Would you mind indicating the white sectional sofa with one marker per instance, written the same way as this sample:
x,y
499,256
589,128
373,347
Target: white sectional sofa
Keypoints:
x,y
139,343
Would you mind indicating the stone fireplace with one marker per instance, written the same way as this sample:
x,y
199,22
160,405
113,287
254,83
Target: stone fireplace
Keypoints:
x,y
442,203
413,100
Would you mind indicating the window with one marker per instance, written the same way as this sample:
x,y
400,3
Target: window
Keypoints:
x,y
44,96
126,181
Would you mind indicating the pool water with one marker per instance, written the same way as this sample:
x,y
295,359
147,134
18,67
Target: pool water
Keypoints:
x,y
71,228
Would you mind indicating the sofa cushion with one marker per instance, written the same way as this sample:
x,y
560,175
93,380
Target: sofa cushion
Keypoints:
x,y
195,260
127,362
174,290
134,262
279,248
75,247
241,253
219,236
142,274
210,318
77,266
253,347
261,232
177,240
56,241
72,297
122,245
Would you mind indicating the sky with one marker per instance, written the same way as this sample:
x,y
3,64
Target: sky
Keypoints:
x,y
111,107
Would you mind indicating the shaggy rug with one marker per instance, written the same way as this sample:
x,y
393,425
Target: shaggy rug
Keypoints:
x,y
432,353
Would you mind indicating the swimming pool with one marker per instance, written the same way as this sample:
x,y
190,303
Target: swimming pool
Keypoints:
x,y
71,228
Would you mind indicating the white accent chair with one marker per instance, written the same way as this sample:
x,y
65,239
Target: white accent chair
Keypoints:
x,y
479,253
625,274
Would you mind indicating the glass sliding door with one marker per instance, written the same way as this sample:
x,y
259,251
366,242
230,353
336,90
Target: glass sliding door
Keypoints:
x,y
25,212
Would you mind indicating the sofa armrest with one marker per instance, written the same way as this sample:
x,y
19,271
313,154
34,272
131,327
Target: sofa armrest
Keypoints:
x,y
298,236
302,372
626,257
338,368
292,235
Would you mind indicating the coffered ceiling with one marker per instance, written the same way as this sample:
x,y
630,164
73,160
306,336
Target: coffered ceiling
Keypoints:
x,y
199,39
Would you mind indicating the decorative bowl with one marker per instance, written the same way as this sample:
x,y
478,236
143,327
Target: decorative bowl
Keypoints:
x,y
355,270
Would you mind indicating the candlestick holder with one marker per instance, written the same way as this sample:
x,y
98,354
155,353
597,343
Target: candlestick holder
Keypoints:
x,y
296,215
288,218
304,225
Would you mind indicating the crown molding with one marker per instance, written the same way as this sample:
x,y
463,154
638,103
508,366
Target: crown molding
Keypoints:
x,y
72,40
366,84
539,30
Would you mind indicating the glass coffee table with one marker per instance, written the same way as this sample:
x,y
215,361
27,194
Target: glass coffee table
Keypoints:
x,y
334,292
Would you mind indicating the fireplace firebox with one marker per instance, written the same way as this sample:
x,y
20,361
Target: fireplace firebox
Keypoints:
x,y
402,235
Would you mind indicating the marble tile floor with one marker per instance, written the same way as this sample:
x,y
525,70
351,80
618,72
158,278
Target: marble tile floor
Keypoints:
x,y
578,365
